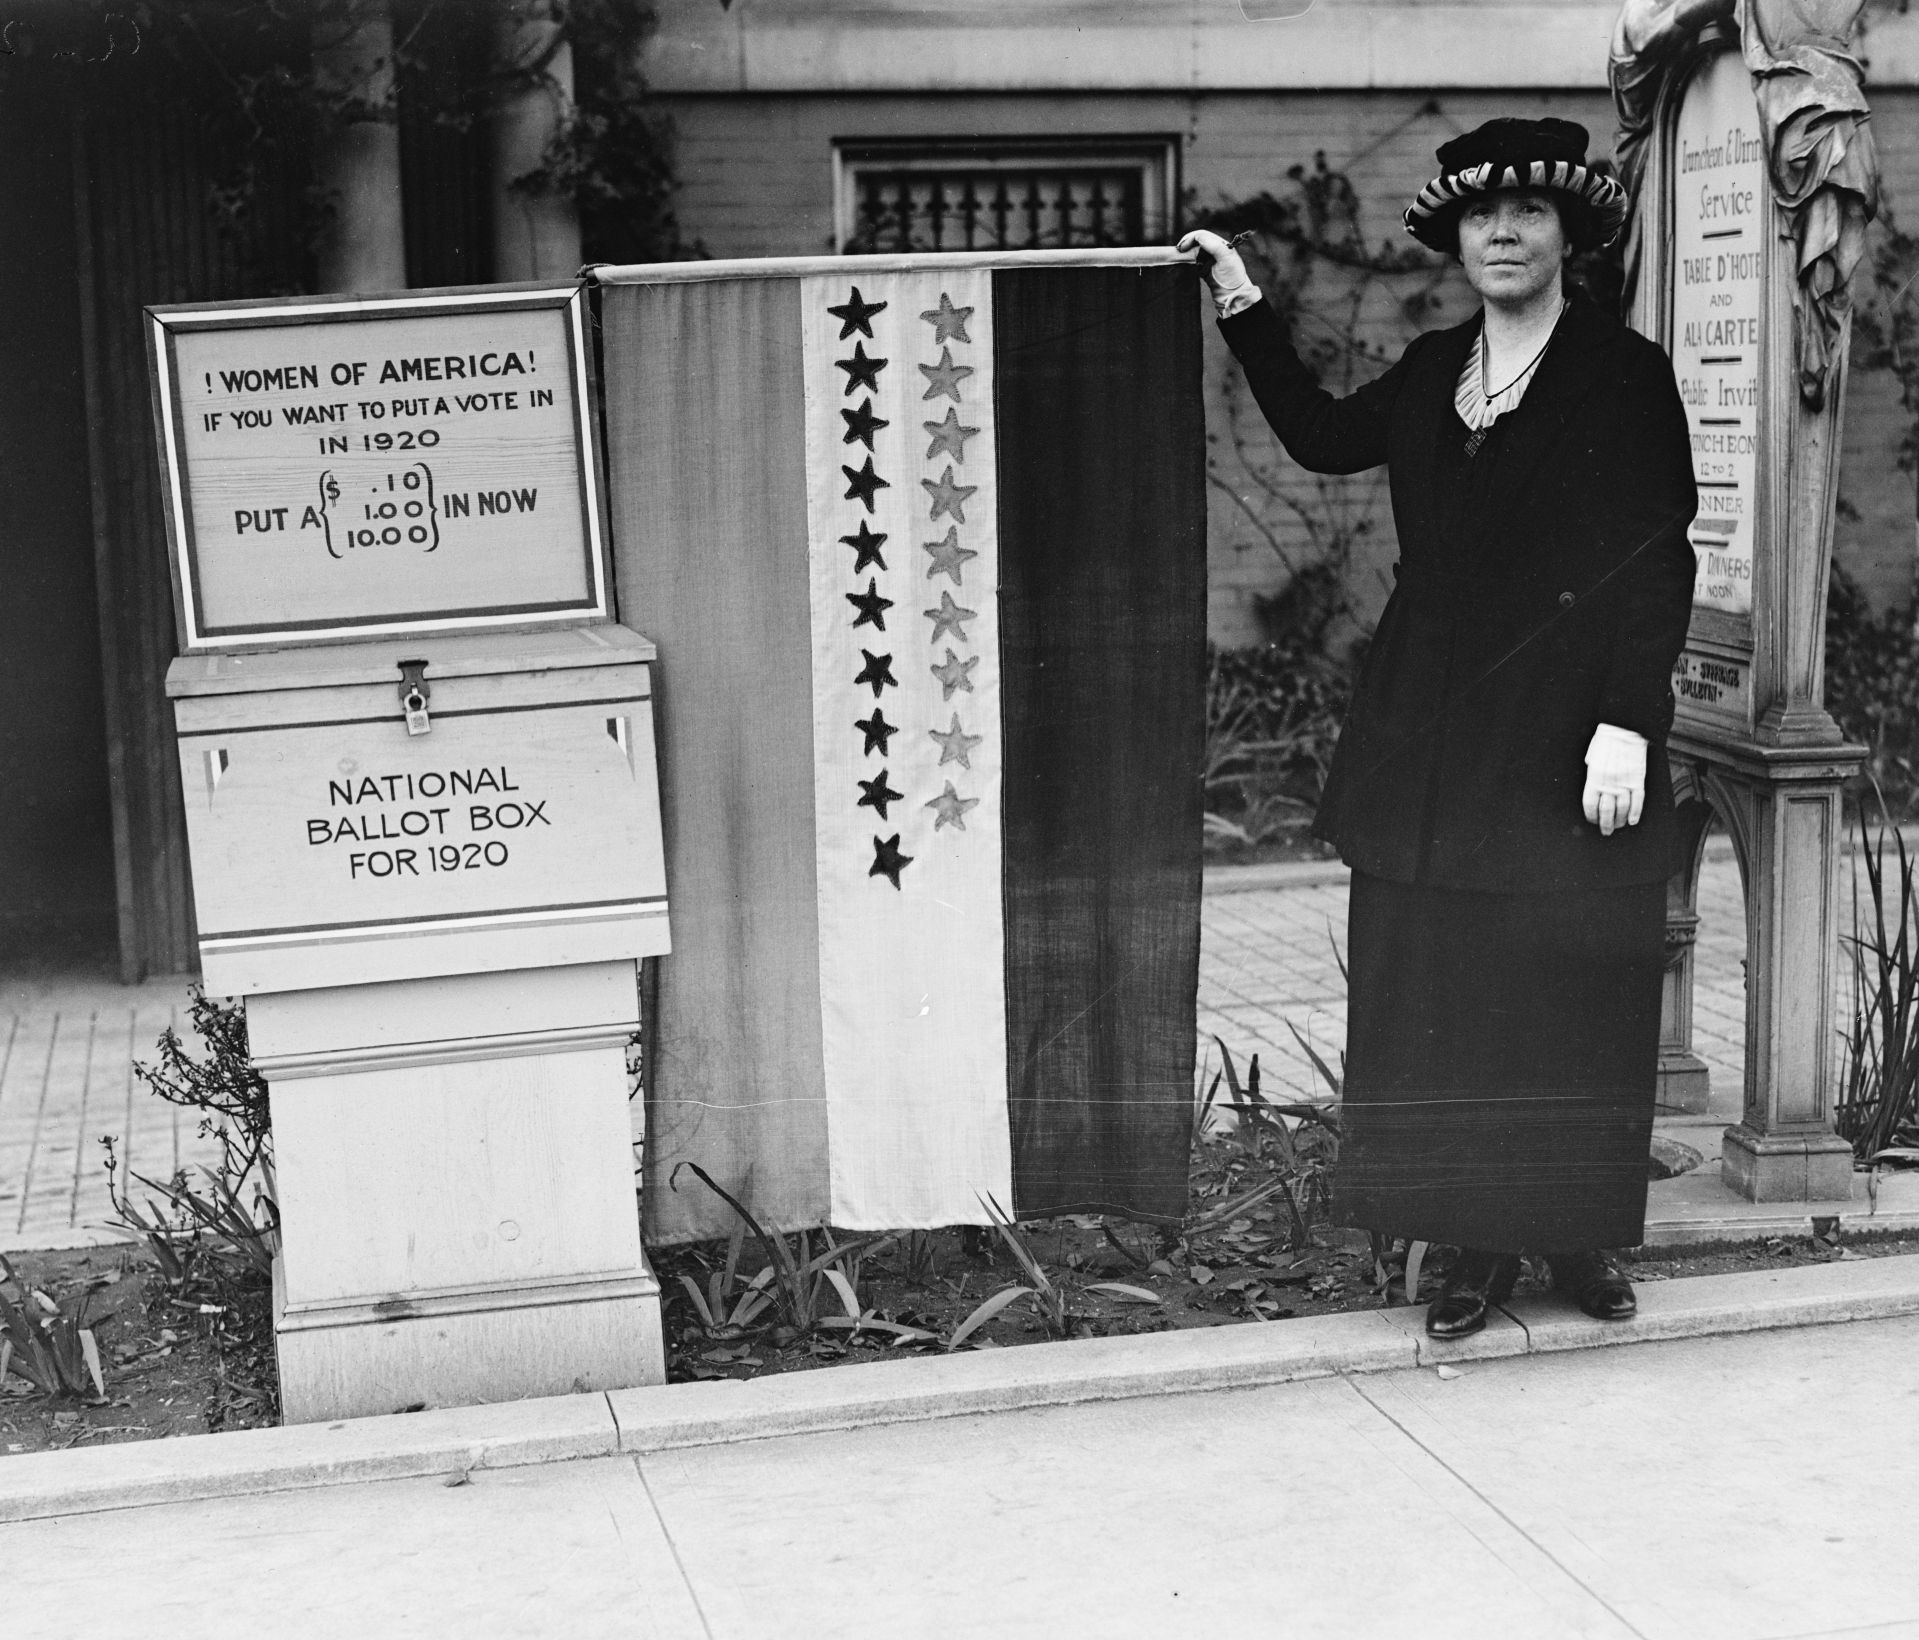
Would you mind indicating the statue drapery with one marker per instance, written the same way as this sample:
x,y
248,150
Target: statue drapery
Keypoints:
x,y
1813,119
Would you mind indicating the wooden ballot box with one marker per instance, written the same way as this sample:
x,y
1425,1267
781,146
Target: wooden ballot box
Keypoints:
x,y
417,760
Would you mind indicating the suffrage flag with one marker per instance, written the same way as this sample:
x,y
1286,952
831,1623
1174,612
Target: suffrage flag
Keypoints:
x,y
921,541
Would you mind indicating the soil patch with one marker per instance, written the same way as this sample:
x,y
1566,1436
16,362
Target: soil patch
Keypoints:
x,y
187,1367
172,1366
1243,1274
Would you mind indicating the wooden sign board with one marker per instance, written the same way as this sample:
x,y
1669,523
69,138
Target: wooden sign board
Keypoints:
x,y
333,847
1720,224
340,467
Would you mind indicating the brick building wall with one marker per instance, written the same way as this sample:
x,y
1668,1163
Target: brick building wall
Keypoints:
x,y
756,169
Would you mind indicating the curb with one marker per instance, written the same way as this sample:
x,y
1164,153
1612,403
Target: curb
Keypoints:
x,y
1274,874
1734,1230
70,1240
1232,1356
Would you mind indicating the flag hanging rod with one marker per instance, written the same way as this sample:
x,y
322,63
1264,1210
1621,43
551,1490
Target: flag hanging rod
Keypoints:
x,y
793,267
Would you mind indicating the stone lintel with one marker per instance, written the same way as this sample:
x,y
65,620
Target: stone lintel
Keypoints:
x,y
1773,763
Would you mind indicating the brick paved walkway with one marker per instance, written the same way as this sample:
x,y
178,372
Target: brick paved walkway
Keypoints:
x,y
66,1081
1267,961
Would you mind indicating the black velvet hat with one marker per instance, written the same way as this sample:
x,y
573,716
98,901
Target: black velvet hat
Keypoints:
x,y
1512,153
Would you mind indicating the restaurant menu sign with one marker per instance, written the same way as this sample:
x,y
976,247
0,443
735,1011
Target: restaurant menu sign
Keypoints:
x,y
1720,214
339,467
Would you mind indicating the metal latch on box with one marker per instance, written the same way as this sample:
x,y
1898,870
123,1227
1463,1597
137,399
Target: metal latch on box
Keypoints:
x,y
415,692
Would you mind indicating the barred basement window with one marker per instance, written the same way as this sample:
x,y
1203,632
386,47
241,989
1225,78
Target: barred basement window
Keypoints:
x,y
1029,194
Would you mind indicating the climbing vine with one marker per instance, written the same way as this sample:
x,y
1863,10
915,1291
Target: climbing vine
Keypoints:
x,y
248,75
1351,308
613,154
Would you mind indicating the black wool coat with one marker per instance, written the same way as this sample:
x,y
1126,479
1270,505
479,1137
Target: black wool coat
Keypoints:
x,y
1462,760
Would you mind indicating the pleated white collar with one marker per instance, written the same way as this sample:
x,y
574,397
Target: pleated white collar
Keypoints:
x,y
1476,409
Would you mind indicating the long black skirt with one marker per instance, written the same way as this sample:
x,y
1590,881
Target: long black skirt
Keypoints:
x,y
1501,1059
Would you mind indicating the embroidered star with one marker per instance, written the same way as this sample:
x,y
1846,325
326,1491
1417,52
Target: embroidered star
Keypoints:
x,y
949,437
948,322
948,497
949,557
944,377
955,744
949,808
862,424
877,731
872,607
866,547
861,484
860,370
888,862
879,794
954,673
857,315
878,671
947,619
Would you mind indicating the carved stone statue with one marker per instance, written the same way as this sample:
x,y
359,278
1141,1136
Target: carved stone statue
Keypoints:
x,y
1819,146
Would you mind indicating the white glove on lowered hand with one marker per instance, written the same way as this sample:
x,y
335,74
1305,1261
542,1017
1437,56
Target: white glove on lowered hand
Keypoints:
x,y
1233,288
1615,778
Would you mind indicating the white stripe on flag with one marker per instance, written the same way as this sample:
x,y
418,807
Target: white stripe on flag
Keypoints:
x,y
912,987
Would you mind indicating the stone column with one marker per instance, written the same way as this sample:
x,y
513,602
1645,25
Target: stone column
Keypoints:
x,y
1685,1082
1784,812
364,248
535,235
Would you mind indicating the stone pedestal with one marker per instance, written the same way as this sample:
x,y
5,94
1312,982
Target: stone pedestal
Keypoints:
x,y
1765,1167
1782,807
456,1186
1723,271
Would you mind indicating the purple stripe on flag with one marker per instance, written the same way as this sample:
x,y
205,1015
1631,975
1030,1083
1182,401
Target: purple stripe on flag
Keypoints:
x,y
1103,660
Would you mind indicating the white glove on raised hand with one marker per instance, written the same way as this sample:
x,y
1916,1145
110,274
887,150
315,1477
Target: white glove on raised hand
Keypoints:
x,y
1615,778
1233,288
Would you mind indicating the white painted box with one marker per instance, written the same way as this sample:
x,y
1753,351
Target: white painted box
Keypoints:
x,y
331,846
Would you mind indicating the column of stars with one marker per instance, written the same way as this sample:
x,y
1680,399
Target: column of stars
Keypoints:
x,y
870,607
947,499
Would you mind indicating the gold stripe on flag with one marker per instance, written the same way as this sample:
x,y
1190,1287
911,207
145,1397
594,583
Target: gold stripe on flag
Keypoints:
x,y
902,547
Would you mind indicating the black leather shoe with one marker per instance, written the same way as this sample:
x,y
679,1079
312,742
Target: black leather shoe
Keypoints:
x,y
1593,1282
1477,1281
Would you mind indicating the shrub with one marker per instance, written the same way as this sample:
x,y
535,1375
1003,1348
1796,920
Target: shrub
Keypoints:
x,y
1273,713
1872,690
51,1347
211,1231
1879,1107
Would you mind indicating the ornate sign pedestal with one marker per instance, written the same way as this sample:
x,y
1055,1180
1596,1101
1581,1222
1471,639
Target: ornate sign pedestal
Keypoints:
x,y
1782,807
1716,278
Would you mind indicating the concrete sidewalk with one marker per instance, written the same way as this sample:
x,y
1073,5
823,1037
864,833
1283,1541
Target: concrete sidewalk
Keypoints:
x,y
1691,1490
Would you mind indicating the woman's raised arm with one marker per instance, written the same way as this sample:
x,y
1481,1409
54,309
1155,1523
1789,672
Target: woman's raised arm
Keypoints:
x,y
1322,433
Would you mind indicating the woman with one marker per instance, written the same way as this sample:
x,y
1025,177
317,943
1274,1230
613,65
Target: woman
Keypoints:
x,y
1500,787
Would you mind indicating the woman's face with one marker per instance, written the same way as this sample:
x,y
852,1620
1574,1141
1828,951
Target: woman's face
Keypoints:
x,y
1512,245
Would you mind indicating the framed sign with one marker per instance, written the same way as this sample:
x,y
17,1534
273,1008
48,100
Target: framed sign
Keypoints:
x,y
1721,233
341,467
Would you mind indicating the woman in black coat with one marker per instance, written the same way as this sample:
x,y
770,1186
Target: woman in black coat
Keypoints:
x,y
1500,786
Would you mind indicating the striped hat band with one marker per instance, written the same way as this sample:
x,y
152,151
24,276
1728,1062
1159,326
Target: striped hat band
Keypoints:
x,y
1431,217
